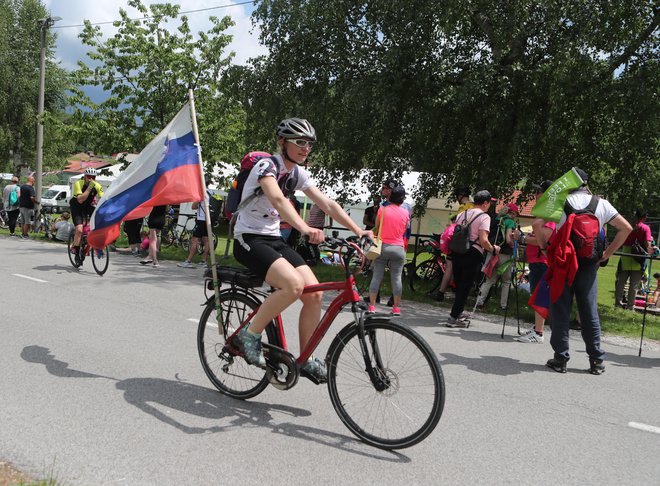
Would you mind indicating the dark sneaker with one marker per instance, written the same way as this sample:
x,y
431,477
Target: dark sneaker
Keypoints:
x,y
557,364
315,370
250,346
596,367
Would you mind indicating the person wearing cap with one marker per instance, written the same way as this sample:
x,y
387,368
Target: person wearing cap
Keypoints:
x,y
631,269
391,222
386,192
538,264
505,234
584,280
465,266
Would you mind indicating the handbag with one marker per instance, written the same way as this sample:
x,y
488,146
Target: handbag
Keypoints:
x,y
374,251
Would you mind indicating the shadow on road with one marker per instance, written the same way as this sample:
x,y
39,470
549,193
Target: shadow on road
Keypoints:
x,y
178,403
492,365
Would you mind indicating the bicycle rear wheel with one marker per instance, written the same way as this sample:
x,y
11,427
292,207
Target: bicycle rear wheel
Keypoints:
x,y
408,406
231,375
72,256
100,260
427,277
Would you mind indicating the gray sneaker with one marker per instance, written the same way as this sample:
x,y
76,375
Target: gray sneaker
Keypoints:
x,y
250,346
458,322
184,264
315,370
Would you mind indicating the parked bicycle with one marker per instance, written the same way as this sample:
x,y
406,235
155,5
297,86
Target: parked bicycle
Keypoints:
x,y
175,234
384,380
100,258
44,222
428,273
4,219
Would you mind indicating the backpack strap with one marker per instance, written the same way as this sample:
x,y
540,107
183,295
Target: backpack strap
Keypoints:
x,y
590,209
475,242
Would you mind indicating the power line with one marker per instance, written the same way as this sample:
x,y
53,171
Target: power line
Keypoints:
x,y
151,16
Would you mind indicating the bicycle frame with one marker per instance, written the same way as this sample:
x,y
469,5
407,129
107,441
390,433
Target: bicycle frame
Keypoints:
x,y
348,295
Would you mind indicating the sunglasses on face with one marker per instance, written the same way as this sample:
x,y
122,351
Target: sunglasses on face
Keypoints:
x,y
302,143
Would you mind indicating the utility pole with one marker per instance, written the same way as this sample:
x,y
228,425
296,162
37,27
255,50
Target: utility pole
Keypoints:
x,y
45,24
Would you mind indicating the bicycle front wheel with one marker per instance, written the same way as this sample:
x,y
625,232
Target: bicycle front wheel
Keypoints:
x,y
100,260
231,375
72,256
399,407
426,277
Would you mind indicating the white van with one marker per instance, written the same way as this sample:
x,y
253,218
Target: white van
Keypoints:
x,y
56,198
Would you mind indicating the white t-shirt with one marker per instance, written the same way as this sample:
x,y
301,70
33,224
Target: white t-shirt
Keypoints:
x,y
259,216
580,199
201,215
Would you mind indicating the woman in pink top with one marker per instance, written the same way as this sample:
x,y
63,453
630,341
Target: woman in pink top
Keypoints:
x,y
537,259
391,223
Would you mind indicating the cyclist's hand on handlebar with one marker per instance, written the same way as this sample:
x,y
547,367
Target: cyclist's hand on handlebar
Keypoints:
x,y
366,234
315,235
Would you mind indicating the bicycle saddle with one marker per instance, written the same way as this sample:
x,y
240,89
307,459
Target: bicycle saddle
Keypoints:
x,y
236,276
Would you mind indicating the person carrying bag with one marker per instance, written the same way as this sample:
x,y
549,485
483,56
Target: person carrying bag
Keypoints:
x,y
391,249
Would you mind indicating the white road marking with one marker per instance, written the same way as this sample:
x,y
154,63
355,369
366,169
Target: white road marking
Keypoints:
x,y
209,324
192,320
644,427
29,278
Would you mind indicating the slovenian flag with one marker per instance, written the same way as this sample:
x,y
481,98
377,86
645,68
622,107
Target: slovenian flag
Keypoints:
x,y
540,298
165,172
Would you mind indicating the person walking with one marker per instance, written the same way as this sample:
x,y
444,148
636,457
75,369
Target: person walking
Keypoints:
x,y
132,229
565,266
391,223
465,265
538,264
631,269
200,233
10,199
156,224
26,200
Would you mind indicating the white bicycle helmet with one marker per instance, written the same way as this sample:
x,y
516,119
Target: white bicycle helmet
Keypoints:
x,y
296,128
90,171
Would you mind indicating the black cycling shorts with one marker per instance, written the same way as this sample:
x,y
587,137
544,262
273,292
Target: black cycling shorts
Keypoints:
x,y
199,231
80,212
263,252
157,217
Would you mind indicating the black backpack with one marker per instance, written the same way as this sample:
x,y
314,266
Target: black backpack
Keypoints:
x,y
460,241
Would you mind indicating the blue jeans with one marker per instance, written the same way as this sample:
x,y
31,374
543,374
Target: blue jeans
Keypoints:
x,y
585,289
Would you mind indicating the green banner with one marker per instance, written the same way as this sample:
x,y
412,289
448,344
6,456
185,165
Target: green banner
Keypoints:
x,y
550,205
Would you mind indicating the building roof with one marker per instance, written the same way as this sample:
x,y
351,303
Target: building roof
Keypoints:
x,y
525,207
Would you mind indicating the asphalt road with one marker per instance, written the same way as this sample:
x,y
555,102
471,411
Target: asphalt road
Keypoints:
x,y
101,384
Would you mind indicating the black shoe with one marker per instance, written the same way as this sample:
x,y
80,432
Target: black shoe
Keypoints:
x,y
439,297
596,367
557,364
390,302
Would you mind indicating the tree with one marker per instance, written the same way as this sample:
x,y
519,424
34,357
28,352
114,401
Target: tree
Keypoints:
x,y
472,92
20,46
146,69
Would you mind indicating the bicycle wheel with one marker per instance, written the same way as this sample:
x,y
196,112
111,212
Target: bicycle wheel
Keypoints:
x,y
100,260
427,277
200,246
167,236
185,240
72,256
231,375
410,403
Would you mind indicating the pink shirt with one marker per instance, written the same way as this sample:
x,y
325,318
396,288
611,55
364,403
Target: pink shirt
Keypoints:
x,y
478,223
395,222
533,252
641,232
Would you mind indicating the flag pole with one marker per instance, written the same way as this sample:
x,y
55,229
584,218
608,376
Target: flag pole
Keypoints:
x,y
205,203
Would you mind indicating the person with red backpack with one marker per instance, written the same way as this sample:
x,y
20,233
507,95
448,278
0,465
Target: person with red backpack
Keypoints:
x,y
574,254
259,246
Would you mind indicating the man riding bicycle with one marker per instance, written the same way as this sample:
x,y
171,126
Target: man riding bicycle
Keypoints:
x,y
85,190
259,246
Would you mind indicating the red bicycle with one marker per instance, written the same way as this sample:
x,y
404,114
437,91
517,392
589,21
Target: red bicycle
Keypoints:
x,y
427,275
384,380
100,258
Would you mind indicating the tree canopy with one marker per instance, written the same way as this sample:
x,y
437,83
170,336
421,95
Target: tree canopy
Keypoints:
x,y
147,69
471,92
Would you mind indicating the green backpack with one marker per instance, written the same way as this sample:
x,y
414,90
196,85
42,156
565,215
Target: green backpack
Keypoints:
x,y
13,197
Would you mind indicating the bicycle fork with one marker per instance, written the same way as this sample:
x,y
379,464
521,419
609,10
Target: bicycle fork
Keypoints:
x,y
374,368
